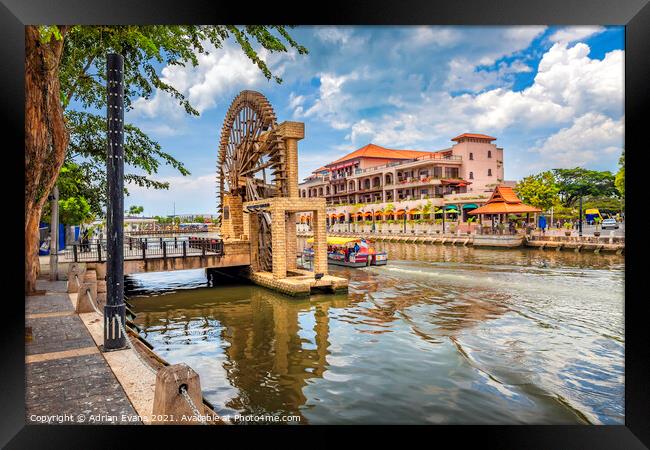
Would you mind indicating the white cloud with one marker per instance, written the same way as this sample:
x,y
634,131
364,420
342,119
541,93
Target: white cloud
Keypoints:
x,y
572,34
504,41
568,84
568,76
463,75
590,137
218,74
333,35
331,102
439,36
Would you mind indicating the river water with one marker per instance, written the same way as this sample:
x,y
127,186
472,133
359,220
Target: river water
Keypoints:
x,y
443,334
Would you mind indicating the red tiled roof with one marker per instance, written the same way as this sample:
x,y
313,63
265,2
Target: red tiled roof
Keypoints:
x,y
474,135
375,151
320,169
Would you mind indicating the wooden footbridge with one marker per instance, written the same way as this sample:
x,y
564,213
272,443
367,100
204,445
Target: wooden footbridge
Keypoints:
x,y
257,181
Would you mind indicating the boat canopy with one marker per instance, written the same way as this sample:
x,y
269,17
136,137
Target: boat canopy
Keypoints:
x,y
334,240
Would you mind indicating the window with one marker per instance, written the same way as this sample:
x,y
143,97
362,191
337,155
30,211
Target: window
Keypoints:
x,y
489,154
226,212
471,156
471,175
451,172
489,172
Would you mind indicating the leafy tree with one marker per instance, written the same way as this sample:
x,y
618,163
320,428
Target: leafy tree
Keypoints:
x,y
67,63
199,219
619,180
603,204
539,190
579,182
74,211
135,210
426,208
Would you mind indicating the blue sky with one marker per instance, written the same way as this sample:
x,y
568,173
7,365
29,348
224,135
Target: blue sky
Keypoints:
x,y
552,96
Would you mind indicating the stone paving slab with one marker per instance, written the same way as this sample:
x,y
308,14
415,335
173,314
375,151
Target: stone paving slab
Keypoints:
x,y
81,385
50,302
67,378
56,334
52,286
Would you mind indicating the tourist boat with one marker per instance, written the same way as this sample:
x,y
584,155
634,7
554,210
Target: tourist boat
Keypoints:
x,y
340,252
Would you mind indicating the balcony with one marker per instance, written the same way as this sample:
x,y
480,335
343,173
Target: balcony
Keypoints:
x,y
452,158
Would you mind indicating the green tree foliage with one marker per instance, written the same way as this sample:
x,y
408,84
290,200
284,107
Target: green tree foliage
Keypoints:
x,y
619,181
578,182
75,198
82,75
74,211
135,210
603,204
539,190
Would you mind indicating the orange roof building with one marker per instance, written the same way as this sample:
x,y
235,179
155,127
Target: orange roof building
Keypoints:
x,y
375,174
376,151
504,201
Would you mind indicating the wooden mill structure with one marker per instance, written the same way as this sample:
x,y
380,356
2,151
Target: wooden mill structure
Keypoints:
x,y
257,181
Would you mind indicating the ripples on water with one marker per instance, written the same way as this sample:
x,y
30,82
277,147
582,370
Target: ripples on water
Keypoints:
x,y
440,335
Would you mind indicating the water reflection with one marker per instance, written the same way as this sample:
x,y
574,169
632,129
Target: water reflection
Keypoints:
x,y
441,335
271,345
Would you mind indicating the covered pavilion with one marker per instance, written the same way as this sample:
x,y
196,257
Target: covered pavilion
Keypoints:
x,y
502,202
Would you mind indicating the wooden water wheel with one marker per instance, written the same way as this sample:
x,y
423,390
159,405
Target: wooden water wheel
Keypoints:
x,y
251,161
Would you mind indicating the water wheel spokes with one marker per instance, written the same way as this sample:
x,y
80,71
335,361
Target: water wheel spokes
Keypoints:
x,y
250,146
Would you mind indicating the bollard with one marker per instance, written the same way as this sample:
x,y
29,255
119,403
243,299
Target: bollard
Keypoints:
x,y
78,270
88,282
167,400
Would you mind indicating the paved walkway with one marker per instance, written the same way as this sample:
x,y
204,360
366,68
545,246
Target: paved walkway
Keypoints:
x,y
67,378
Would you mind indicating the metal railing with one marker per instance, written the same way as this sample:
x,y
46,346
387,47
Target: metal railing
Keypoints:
x,y
146,248
187,229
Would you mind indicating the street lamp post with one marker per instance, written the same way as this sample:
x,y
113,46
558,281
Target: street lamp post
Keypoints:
x,y
54,234
580,219
114,310
443,219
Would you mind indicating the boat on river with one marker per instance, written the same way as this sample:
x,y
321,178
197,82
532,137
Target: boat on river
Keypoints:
x,y
348,252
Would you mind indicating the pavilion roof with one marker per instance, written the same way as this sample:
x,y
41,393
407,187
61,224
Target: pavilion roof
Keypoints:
x,y
504,201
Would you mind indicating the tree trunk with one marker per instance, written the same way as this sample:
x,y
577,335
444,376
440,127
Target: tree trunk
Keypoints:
x,y
46,137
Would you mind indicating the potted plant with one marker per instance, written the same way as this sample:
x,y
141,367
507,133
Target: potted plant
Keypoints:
x,y
597,220
567,228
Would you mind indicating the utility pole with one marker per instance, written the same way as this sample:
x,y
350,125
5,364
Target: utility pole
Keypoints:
x,y
54,234
114,310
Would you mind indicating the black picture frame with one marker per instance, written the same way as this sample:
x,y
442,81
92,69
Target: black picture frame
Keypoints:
x,y
634,14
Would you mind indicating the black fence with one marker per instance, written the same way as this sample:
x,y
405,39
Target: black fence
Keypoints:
x,y
143,248
170,230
